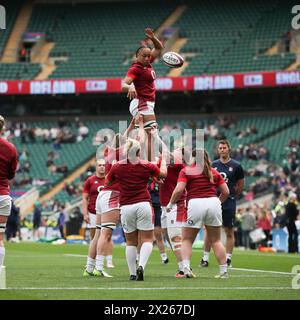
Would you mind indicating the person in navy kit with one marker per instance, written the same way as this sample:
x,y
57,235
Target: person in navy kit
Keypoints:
x,y
233,174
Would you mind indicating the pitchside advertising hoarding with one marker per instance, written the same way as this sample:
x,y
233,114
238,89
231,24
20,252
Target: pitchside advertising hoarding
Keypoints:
x,y
280,239
192,83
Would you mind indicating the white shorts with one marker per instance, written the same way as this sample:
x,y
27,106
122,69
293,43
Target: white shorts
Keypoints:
x,y
173,218
5,205
92,223
145,108
138,216
107,200
204,211
163,218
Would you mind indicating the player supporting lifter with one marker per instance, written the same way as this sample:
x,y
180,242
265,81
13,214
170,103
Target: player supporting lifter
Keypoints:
x,y
233,174
172,221
92,187
107,203
8,166
204,208
136,212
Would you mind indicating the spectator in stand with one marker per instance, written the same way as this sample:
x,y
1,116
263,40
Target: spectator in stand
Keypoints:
x,y
292,214
37,220
61,221
264,222
248,224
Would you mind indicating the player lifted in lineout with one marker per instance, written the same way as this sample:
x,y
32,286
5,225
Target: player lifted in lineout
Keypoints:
x,y
139,81
140,88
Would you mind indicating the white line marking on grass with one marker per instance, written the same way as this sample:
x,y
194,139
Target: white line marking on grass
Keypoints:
x,y
263,271
160,288
75,255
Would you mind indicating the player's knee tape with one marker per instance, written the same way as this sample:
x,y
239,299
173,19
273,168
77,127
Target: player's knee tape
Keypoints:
x,y
98,226
109,225
2,227
175,238
150,124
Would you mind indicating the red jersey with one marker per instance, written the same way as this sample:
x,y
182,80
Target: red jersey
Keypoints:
x,y
167,188
143,80
198,185
112,155
93,185
8,164
133,179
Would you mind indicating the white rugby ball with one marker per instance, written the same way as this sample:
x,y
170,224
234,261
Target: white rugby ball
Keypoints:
x,y
173,59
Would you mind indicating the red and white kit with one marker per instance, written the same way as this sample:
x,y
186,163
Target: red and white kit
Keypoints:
x,y
92,186
136,210
143,80
204,207
177,216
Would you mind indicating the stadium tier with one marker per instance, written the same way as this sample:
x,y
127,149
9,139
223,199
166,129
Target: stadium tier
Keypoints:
x,y
248,136
235,37
91,41
11,9
19,70
96,31
68,154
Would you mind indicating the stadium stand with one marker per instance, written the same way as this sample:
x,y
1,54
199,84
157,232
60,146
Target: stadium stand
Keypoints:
x,y
234,38
220,39
86,30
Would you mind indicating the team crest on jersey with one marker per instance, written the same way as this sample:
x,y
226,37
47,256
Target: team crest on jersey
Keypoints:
x,y
230,169
96,182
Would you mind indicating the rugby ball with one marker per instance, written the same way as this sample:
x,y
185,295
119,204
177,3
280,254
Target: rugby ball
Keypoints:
x,y
173,59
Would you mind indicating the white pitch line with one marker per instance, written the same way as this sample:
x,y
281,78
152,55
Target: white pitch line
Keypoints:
x,y
160,288
263,271
75,255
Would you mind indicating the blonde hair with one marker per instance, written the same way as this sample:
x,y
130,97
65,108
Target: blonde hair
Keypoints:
x,y
201,157
132,148
100,161
2,123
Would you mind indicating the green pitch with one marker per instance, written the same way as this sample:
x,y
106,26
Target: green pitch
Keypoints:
x,y
46,271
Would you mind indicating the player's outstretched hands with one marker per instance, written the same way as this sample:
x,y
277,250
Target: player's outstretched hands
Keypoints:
x,y
131,93
149,33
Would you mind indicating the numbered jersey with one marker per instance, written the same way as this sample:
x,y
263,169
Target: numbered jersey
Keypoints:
x,y
93,185
231,172
143,80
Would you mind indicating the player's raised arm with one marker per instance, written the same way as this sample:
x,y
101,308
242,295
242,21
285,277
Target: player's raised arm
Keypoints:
x,y
157,44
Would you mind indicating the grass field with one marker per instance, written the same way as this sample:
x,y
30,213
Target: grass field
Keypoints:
x,y
45,271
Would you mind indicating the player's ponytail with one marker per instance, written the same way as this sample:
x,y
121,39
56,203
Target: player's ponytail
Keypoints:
x,y
202,159
132,148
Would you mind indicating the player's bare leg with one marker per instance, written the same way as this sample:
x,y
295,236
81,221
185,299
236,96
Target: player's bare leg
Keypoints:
x,y
229,244
214,237
160,244
206,250
3,221
91,259
109,221
188,237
